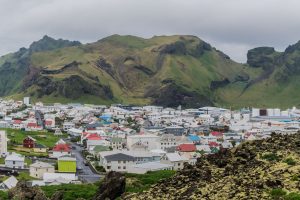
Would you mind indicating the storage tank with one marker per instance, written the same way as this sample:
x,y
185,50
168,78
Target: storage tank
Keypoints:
x,y
270,112
277,112
255,112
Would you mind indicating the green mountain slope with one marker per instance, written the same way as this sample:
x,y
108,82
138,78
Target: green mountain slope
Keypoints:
x,y
164,70
276,85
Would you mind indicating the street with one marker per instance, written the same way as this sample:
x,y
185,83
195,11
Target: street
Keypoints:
x,y
84,172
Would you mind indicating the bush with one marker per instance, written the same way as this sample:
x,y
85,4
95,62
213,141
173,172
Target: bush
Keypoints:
x,y
100,168
271,157
277,193
292,196
290,161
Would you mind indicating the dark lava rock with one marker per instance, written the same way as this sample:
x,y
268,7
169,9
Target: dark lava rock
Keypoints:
x,y
112,187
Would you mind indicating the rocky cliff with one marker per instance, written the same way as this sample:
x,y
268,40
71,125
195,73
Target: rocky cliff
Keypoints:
x,y
264,169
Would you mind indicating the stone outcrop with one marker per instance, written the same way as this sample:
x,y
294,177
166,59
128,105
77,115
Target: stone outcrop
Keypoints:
x,y
112,187
252,170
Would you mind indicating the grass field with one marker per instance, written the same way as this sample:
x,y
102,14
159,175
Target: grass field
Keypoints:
x,y
134,183
45,138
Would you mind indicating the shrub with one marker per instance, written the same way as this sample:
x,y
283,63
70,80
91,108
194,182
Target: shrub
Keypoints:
x,y
277,193
292,196
271,157
100,168
290,161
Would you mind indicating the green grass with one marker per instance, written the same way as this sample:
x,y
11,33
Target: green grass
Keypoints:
x,y
45,138
72,191
141,182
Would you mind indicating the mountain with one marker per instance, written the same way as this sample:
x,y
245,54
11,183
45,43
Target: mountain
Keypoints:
x,y
163,70
261,169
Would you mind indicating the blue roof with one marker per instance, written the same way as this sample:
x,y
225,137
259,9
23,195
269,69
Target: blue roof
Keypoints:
x,y
194,137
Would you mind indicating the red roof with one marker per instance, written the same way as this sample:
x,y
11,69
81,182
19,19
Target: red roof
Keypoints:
x,y
93,137
187,148
61,147
31,124
48,122
217,134
17,121
213,144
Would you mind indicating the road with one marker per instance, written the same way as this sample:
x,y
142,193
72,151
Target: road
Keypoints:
x,y
85,173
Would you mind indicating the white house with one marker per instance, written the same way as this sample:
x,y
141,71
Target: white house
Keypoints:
x,y
38,169
122,160
8,183
143,168
149,141
68,125
174,159
59,178
15,161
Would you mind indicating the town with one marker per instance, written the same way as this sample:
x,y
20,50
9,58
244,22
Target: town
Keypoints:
x,y
74,143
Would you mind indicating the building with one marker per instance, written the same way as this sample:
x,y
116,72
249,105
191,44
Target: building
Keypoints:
x,y
122,160
59,178
39,148
26,101
174,159
117,143
60,150
15,161
175,130
66,164
68,125
147,141
9,183
3,143
38,169
149,166
29,142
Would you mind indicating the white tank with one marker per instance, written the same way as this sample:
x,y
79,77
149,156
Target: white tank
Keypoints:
x,y
270,112
255,112
277,112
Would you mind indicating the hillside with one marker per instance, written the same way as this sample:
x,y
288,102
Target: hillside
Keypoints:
x,y
264,169
163,70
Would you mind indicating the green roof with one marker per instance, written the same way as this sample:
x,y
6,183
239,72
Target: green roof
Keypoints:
x,y
100,148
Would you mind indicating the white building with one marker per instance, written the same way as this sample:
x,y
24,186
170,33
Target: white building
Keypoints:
x,y
122,160
15,161
149,141
177,161
3,143
9,183
68,125
26,101
38,169
149,166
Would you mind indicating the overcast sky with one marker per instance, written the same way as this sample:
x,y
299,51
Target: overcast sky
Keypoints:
x,y
233,26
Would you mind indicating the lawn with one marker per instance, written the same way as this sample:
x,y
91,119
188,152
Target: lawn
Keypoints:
x,y
134,183
72,191
43,137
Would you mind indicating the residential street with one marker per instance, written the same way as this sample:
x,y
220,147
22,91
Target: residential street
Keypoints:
x,y
84,172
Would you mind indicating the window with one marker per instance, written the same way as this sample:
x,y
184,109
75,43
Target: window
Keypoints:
x,y
119,161
108,167
124,161
124,167
119,167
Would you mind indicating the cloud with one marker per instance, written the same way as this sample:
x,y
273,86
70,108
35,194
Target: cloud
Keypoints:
x,y
232,26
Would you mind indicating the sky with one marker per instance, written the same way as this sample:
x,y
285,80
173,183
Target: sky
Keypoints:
x,y
232,26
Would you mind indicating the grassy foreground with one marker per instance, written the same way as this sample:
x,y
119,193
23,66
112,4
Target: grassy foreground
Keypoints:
x,y
135,183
